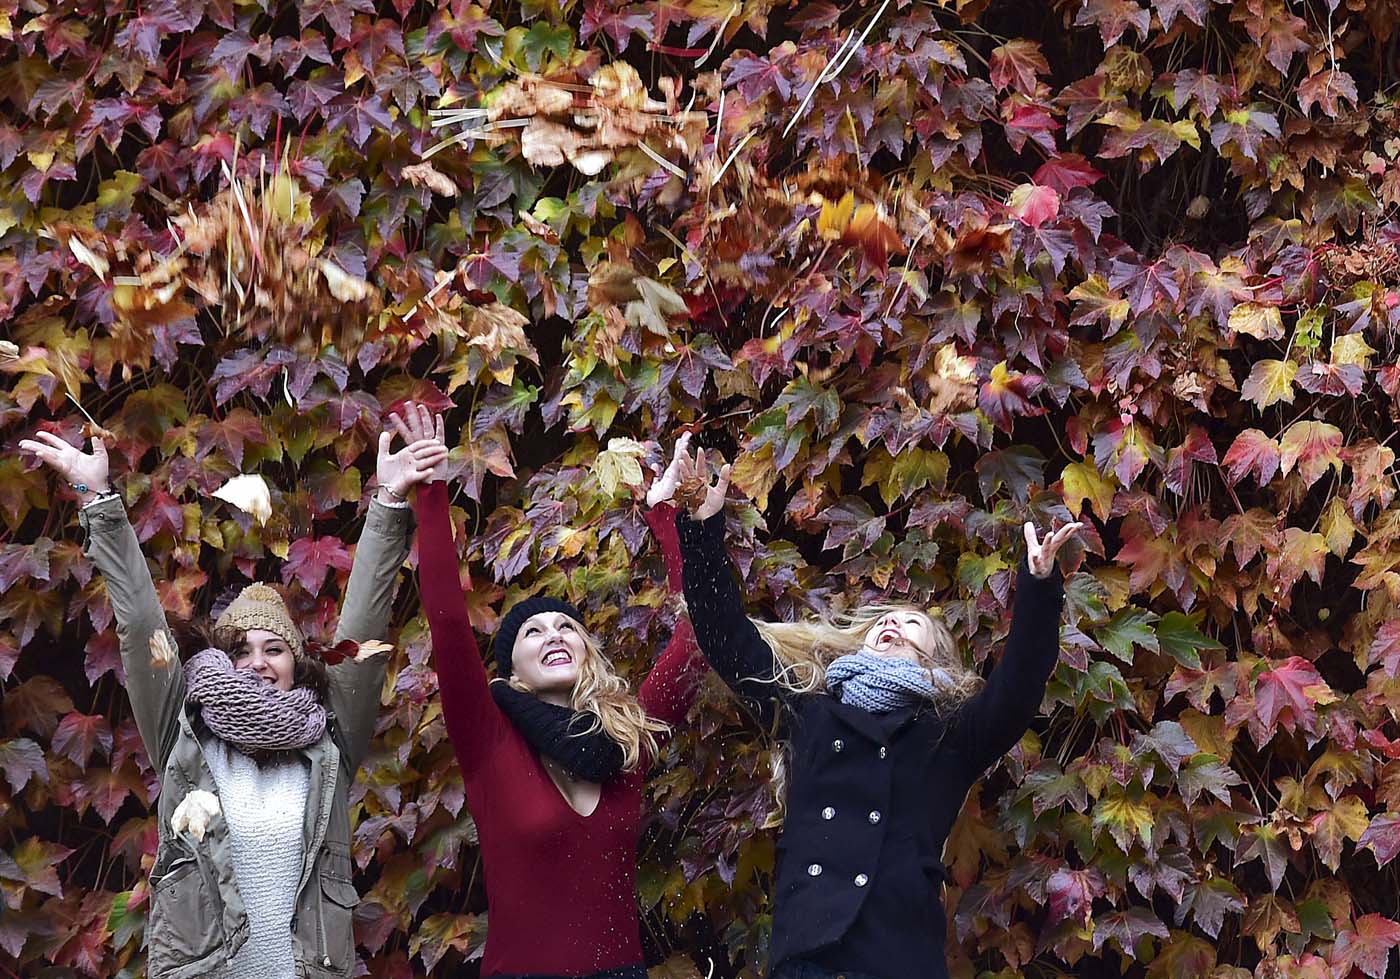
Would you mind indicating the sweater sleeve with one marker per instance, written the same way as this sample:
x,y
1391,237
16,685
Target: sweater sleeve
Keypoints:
x,y
728,639
671,685
473,720
991,723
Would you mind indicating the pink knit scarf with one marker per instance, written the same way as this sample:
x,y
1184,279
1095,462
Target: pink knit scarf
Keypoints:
x,y
248,712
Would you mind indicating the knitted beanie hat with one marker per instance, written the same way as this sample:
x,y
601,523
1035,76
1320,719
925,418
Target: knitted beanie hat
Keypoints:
x,y
260,606
504,643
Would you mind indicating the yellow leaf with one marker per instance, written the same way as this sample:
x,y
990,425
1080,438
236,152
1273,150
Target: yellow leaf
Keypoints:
x,y
1081,481
343,286
1337,527
835,218
1352,349
1269,382
619,465
755,475
1260,322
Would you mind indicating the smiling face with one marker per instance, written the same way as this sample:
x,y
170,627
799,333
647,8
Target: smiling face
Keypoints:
x,y
903,633
547,655
269,656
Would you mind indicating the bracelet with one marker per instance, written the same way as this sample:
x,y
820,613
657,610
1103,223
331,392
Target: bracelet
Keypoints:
x,y
391,492
85,488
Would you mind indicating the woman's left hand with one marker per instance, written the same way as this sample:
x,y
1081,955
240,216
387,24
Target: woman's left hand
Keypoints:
x,y
1040,555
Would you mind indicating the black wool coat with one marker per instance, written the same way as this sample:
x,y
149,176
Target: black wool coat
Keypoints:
x,y
871,797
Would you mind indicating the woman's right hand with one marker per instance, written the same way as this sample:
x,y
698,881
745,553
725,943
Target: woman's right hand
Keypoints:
x,y
86,472
701,497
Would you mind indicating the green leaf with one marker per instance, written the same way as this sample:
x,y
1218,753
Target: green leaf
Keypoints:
x,y
1129,627
1180,637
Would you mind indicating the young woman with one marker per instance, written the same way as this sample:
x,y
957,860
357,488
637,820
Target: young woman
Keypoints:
x,y
255,742
886,734
554,753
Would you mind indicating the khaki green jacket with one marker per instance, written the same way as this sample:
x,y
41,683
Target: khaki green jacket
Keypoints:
x,y
197,920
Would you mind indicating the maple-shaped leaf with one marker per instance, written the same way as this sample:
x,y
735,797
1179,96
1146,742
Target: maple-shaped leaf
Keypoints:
x,y
1269,846
309,558
36,705
1169,741
1209,902
1033,205
36,865
21,561
1195,11
1113,17
107,789
1006,394
1258,321
1287,696
1385,648
1205,90
1206,774
1382,837
1126,819
1336,380
1326,89
1252,452
1312,447
1279,32
851,520
1127,928
618,23
1017,64
1017,467
1065,172
1088,100
228,436
22,759
79,735
1269,382
338,13
1197,447
1367,947
1071,893
1129,627
1245,129
1081,481
1180,637
1345,819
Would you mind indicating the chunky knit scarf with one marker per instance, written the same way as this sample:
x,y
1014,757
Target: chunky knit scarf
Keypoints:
x,y
249,713
881,684
558,733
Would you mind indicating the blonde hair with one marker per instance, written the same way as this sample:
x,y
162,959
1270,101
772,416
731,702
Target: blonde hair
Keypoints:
x,y
803,650
600,691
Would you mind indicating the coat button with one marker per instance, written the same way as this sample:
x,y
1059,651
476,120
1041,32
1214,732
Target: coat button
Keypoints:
x,y
815,870
837,745
862,880
874,816
884,751
828,813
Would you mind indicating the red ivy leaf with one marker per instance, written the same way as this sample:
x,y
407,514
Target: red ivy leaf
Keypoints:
x,y
308,560
79,735
1252,452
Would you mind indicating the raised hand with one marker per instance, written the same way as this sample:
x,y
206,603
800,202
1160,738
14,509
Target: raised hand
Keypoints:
x,y
663,487
701,497
86,472
1040,555
423,457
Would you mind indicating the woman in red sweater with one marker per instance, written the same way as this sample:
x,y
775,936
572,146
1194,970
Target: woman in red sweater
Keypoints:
x,y
553,754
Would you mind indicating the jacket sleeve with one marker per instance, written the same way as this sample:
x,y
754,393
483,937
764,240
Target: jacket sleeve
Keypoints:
x,y
474,722
157,693
994,719
731,643
670,687
355,686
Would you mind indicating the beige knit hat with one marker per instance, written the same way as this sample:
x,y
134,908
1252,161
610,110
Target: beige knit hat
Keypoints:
x,y
260,606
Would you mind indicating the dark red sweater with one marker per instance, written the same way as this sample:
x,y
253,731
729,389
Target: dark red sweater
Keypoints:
x,y
561,887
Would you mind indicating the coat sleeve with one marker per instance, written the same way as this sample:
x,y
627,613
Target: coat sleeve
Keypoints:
x,y
731,643
474,722
157,693
671,685
355,686
994,719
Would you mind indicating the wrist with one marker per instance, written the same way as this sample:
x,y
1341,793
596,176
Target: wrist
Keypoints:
x,y
391,497
88,492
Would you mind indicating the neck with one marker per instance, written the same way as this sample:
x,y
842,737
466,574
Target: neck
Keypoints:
x,y
558,698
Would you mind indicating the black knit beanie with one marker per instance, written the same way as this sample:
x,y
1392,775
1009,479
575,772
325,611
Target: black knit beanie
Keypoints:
x,y
504,643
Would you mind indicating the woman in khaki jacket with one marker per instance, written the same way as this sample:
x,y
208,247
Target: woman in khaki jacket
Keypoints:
x,y
256,742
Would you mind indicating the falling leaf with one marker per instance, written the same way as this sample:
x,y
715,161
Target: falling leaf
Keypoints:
x,y
194,813
426,175
249,493
343,286
163,651
371,648
619,465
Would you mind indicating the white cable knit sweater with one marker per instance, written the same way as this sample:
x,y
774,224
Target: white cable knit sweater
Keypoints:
x,y
265,808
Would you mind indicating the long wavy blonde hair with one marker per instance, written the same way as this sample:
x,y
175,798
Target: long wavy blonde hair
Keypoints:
x,y
616,711
803,650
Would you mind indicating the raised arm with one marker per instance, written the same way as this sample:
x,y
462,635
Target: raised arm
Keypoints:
x,y
669,689
356,684
157,693
474,722
993,720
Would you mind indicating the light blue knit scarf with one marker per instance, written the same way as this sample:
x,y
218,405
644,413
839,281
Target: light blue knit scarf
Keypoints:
x,y
881,684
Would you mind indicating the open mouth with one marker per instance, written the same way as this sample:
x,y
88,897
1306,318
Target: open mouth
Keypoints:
x,y
888,636
557,657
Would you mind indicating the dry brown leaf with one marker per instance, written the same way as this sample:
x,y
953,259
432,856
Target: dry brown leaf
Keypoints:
x,y
371,647
163,652
343,286
497,328
426,175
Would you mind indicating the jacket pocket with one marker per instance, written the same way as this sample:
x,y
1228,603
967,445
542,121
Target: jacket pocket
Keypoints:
x,y
185,919
338,900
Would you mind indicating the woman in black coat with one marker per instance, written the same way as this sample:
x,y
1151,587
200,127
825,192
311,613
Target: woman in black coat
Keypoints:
x,y
886,733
